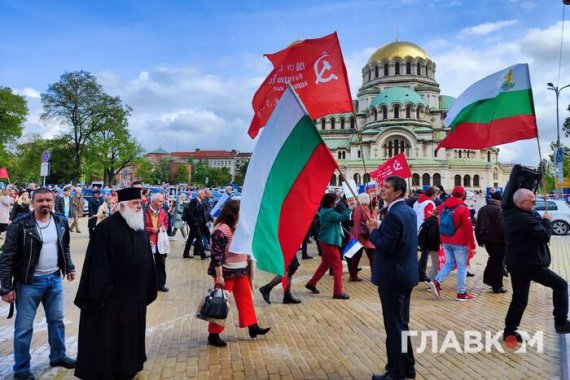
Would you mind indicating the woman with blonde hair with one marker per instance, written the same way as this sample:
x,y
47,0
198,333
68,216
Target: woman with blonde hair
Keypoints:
x,y
21,207
362,234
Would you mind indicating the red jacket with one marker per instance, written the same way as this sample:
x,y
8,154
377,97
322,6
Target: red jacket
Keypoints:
x,y
462,221
162,221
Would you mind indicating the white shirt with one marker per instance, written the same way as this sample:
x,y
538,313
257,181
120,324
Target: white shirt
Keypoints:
x,y
47,263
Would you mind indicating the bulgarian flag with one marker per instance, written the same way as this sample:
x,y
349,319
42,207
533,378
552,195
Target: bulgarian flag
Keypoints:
x,y
285,181
496,110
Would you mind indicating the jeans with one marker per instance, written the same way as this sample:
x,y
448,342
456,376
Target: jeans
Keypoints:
x,y
454,254
47,290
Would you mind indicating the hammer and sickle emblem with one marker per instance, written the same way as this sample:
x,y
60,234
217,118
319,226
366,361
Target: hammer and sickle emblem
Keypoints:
x,y
320,72
397,166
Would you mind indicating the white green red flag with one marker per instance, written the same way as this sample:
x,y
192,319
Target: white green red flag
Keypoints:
x,y
317,72
496,110
286,179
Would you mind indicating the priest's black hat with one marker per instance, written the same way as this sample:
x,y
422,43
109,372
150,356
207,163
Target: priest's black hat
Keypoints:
x,y
129,193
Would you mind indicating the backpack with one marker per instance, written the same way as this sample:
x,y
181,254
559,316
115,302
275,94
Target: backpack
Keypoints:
x,y
446,225
428,237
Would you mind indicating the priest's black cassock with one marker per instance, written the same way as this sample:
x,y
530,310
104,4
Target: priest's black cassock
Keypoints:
x,y
117,283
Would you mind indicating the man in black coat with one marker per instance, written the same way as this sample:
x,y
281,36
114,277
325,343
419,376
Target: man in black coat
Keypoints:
x,y
528,258
395,272
58,202
490,234
93,208
117,284
194,215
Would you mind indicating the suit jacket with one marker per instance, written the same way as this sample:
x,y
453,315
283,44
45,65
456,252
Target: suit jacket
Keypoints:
x,y
196,212
94,204
78,204
59,204
395,262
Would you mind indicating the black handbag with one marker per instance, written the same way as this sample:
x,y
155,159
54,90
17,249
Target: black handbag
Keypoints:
x,y
215,305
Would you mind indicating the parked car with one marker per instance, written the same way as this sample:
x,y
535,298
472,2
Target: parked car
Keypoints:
x,y
560,212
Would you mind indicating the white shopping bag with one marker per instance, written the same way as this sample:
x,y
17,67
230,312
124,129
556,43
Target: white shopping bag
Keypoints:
x,y
163,243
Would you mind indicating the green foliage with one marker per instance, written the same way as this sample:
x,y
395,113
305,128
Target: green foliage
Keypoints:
x,y
240,175
78,102
181,175
145,171
203,175
111,148
161,172
13,112
27,160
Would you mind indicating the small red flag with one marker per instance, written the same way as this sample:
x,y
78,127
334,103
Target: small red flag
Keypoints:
x,y
316,70
397,165
4,173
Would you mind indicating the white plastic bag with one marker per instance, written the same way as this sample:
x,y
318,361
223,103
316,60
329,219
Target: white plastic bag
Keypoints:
x,y
162,242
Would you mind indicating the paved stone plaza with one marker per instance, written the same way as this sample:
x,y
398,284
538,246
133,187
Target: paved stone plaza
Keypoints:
x,y
321,338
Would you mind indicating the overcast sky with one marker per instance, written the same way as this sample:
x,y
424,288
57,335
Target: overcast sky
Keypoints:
x,y
189,69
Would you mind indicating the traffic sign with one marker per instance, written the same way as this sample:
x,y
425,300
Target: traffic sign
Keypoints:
x,y
44,169
46,156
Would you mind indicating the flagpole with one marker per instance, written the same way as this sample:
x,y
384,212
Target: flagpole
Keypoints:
x,y
542,170
360,144
343,178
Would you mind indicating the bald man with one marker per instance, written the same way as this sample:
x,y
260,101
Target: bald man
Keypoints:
x,y
528,257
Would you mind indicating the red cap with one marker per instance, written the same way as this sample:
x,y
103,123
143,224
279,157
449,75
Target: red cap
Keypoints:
x,y
458,192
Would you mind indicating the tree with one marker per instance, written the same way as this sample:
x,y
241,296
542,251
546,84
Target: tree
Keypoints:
x,y
181,175
13,112
111,147
240,175
145,171
28,159
161,172
78,102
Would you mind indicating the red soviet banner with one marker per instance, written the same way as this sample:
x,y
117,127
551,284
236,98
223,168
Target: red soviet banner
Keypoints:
x,y
397,165
316,70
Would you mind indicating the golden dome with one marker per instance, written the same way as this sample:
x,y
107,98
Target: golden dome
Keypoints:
x,y
399,49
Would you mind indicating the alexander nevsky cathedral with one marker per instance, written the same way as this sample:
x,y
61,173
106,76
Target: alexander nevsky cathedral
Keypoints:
x,y
400,108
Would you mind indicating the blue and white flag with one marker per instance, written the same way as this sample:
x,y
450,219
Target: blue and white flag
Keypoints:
x,y
218,207
352,247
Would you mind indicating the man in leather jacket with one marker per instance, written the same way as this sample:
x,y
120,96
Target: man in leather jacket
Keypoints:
x,y
36,254
527,235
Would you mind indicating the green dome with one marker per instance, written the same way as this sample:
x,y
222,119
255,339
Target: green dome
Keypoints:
x,y
446,102
401,95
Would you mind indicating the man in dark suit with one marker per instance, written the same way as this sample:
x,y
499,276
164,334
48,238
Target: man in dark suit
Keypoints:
x,y
395,272
58,203
527,235
195,217
93,208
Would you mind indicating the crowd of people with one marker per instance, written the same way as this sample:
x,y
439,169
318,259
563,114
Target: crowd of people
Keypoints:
x,y
130,230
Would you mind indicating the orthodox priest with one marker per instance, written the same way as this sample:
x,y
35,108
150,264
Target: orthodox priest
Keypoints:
x,y
117,284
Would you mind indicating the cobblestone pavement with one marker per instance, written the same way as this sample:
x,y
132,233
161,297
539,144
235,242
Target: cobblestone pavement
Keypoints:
x,y
321,338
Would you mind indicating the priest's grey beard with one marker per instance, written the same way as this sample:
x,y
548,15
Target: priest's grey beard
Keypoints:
x,y
133,218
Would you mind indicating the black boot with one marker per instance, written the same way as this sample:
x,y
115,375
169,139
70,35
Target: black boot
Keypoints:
x,y
288,297
255,330
266,289
216,341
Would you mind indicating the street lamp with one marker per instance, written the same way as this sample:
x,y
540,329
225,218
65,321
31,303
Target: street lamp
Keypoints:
x,y
557,91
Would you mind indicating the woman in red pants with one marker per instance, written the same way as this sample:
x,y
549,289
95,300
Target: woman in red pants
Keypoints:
x,y
361,233
231,272
330,240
